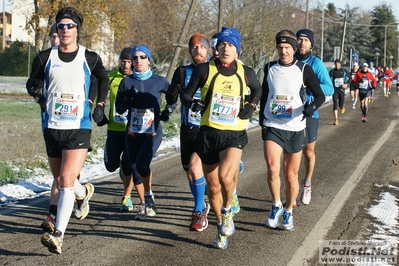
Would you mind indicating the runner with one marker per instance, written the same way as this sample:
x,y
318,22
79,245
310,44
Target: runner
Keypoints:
x,y
366,81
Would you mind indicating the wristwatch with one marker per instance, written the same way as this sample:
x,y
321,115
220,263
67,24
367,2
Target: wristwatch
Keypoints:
x,y
169,109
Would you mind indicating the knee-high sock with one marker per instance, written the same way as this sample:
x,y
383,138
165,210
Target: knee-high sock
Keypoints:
x,y
65,207
199,188
80,190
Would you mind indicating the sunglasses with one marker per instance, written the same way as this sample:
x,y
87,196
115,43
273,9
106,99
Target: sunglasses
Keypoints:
x,y
135,57
69,26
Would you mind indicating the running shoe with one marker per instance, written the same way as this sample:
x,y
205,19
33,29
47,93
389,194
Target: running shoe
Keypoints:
x,y
227,228
353,106
241,167
342,110
53,241
364,119
273,220
221,241
151,208
198,222
306,194
126,205
81,208
141,213
372,100
235,205
48,225
336,122
288,221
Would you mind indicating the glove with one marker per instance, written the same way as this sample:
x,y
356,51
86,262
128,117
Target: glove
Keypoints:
x,y
197,106
130,94
247,111
36,89
164,116
42,102
308,110
98,113
104,121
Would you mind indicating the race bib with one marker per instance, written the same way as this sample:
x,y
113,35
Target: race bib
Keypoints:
x,y
281,106
224,109
338,82
194,118
67,106
142,120
364,84
120,118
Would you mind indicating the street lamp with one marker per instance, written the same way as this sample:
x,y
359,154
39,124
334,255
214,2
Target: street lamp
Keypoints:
x,y
385,42
377,54
391,57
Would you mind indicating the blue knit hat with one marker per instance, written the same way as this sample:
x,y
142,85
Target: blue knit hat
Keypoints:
x,y
230,35
144,49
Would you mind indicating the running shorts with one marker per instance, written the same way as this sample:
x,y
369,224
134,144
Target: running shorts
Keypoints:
x,y
58,140
290,141
188,138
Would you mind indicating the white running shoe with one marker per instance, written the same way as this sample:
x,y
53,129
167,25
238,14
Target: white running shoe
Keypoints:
x,y
306,194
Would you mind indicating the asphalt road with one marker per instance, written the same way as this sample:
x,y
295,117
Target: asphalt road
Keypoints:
x,y
355,162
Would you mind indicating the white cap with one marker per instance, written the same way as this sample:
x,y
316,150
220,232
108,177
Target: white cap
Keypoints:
x,y
365,65
355,64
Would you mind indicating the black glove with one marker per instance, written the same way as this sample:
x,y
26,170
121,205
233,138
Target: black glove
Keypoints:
x,y
42,102
130,94
103,122
36,89
98,113
308,110
197,106
247,111
164,116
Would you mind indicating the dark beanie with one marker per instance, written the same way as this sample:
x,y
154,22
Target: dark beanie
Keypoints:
x,y
53,29
306,33
126,53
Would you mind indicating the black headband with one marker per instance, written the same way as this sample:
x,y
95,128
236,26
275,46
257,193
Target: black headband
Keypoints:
x,y
70,16
286,39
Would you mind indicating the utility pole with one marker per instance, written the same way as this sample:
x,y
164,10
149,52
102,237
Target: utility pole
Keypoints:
x,y
220,15
343,35
180,41
307,15
322,36
4,24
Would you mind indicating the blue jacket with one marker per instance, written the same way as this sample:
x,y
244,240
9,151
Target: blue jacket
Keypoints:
x,y
322,76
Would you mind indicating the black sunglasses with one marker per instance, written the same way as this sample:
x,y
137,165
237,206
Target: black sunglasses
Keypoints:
x,y
135,57
69,26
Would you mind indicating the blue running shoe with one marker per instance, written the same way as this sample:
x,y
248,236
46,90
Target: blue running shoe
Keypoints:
x,y
235,205
126,204
221,241
241,167
227,228
273,220
288,221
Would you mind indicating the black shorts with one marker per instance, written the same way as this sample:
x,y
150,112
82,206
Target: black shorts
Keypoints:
x,y
188,139
58,140
363,94
312,129
290,141
211,142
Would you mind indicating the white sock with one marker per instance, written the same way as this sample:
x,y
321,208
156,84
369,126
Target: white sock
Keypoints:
x,y
354,103
277,203
80,190
65,207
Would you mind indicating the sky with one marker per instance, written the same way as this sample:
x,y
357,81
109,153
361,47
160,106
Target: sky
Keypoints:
x,y
365,4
